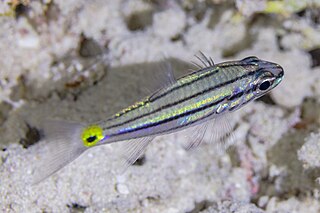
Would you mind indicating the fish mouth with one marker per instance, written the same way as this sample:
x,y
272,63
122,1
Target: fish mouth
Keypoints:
x,y
277,71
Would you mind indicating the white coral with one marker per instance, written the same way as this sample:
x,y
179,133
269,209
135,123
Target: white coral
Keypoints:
x,y
309,153
169,23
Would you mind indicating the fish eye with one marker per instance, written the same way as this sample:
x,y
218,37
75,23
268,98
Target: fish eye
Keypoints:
x,y
91,135
264,85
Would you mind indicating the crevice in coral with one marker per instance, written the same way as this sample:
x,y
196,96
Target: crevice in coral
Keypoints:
x,y
76,208
217,12
310,115
5,108
280,46
140,161
21,10
200,206
88,47
140,20
312,14
256,21
32,136
52,13
315,55
19,91
293,179
245,43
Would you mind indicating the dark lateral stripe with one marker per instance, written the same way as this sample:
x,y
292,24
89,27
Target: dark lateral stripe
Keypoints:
x,y
179,116
202,118
160,109
187,124
217,66
125,112
154,98
182,100
168,119
213,72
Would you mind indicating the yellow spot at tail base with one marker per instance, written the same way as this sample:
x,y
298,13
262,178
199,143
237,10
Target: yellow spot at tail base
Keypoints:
x,y
91,135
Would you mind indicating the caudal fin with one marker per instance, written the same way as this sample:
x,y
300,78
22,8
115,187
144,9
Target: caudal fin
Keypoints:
x,y
62,145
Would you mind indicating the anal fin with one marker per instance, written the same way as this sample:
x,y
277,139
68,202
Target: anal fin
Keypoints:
x,y
217,131
222,132
132,150
197,135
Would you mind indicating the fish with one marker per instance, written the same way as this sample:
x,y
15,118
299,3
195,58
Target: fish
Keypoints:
x,y
202,96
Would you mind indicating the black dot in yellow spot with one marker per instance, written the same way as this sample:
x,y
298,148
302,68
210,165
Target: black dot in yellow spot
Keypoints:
x,y
91,139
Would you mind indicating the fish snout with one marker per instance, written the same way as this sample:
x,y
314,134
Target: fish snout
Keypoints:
x,y
273,68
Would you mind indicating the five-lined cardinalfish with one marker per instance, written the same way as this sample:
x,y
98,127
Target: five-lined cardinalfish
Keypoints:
x,y
194,99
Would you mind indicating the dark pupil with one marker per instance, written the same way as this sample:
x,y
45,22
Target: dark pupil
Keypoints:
x,y
265,85
91,139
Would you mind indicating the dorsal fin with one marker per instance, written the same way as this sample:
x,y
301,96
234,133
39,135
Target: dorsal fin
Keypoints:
x,y
163,77
205,61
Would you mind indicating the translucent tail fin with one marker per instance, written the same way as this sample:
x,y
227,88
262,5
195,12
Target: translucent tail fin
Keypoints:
x,y
63,145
